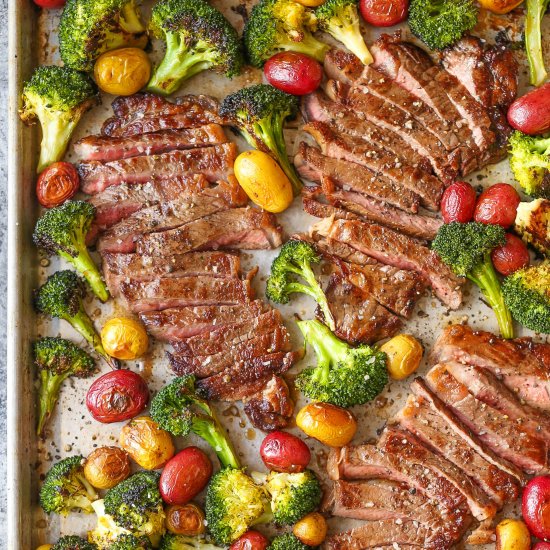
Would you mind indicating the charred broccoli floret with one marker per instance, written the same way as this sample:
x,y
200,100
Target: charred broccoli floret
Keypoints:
x,y
234,503
340,19
295,260
198,37
533,40
259,112
441,23
466,249
131,542
57,359
73,542
527,294
106,532
530,163
65,488
57,97
344,376
179,410
89,28
181,542
288,541
62,230
281,25
61,296
533,224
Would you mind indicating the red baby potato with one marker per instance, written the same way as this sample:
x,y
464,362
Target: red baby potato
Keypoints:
x,y
284,452
536,506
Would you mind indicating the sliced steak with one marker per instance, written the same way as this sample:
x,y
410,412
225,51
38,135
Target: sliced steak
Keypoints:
x,y
344,147
392,248
238,228
503,437
521,364
145,103
314,166
358,317
166,293
215,163
120,267
422,420
313,206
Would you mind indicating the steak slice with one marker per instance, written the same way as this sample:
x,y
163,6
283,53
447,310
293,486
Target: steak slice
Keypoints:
x,y
503,437
182,322
146,103
358,317
392,248
120,267
314,166
344,147
521,364
419,418
106,149
215,163
173,292
240,228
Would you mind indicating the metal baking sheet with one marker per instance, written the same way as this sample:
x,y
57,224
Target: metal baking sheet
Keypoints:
x,y
33,40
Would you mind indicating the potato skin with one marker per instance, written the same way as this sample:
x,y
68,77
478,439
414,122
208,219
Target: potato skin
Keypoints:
x,y
512,534
106,467
123,71
530,113
331,425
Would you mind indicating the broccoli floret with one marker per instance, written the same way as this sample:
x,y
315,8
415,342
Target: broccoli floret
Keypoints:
x,y
295,259
533,224
527,294
441,23
533,40
57,97
63,231
288,541
73,542
344,376
106,531
340,19
259,112
466,249
65,488
181,542
281,25
61,296
58,359
530,163
198,37
234,503
89,28
135,504
179,410
131,542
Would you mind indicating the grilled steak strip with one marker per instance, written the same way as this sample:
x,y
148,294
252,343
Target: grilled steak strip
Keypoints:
x,y
395,249
243,228
215,163
314,166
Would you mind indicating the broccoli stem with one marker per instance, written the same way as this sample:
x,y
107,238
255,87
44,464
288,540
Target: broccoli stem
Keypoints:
x,y
353,41
85,265
50,386
56,133
309,45
533,40
212,432
485,277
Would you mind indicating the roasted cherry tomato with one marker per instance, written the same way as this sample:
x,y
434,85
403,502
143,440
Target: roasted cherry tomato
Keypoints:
x,y
530,113
284,452
510,256
117,396
251,540
384,13
57,184
187,520
124,338
185,476
122,72
535,506
294,73
50,4
497,205
331,425
458,202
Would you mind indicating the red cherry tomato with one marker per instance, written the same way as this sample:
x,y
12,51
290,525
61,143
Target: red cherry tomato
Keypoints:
x,y
185,476
117,396
510,256
458,202
535,506
294,73
384,13
497,205
57,184
530,113
50,4
251,540
284,452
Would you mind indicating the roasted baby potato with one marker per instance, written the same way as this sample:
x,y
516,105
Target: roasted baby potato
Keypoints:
x,y
106,467
331,425
404,354
124,338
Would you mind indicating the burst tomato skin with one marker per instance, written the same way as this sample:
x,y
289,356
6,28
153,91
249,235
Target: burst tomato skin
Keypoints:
x,y
251,540
50,4
535,507
284,452
497,205
293,73
510,256
117,396
384,13
185,476
458,202
57,184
